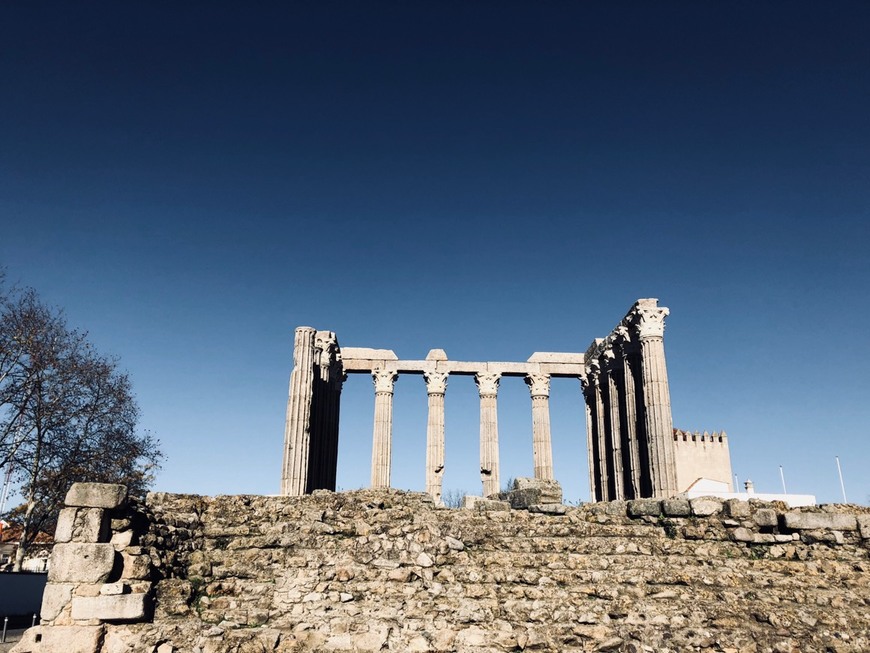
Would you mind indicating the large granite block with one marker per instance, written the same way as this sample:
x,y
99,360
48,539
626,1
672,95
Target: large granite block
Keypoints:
x,y
96,495
82,525
112,607
77,562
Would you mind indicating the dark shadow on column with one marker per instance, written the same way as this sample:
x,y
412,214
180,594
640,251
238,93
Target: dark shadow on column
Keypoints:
x,y
608,441
646,485
624,434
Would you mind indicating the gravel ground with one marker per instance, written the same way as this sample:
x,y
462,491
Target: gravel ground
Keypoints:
x,y
12,636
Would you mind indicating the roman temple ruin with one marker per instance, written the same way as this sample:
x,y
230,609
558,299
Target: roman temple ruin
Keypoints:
x,y
633,449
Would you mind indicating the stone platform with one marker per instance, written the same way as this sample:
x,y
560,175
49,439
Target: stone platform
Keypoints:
x,y
388,570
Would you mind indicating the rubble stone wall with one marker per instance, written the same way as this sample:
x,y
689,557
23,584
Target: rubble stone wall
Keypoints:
x,y
387,570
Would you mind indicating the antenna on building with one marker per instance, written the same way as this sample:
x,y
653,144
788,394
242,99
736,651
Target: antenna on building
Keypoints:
x,y
840,472
782,478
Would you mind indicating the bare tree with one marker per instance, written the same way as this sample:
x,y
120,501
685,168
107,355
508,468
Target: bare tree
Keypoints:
x,y
67,414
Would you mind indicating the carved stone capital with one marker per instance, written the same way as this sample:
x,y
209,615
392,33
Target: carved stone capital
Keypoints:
x,y
621,333
608,353
593,372
436,382
650,321
384,380
539,384
487,383
328,356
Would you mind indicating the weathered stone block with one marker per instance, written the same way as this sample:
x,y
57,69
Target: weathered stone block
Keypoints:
x,y
96,495
119,639
76,562
61,639
173,597
819,520
763,538
765,517
454,544
136,567
120,607
547,491
677,507
122,539
737,509
54,599
864,526
704,507
548,508
424,560
82,525
644,508
742,535
479,503
113,589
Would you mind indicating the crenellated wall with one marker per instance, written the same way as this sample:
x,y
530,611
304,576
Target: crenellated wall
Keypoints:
x,y
387,570
702,455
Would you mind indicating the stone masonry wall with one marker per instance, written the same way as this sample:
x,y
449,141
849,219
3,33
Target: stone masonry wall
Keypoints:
x,y
387,570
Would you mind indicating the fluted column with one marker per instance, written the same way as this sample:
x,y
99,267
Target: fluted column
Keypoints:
x,y
297,428
539,387
382,442
487,385
336,384
601,431
650,321
588,383
613,427
436,386
630,424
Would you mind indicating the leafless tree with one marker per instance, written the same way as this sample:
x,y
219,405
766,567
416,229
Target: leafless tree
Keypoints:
x,y
67,413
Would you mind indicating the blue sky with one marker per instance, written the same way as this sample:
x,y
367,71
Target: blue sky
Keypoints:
x,y
191,181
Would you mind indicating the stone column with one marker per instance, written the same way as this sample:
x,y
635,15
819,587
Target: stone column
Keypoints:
x,y
588,383
382,442
297,428
487,385
650,322
436,386
336,384
539,387
630,421
613,426
600,429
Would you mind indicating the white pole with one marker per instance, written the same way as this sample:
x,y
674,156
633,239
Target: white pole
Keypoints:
x,y
840,472
782,478
736,484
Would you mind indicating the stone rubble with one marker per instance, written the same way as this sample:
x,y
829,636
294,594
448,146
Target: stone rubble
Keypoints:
x,y
388,570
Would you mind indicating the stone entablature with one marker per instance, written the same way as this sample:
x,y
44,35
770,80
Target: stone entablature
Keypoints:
x,y
389,571
361,360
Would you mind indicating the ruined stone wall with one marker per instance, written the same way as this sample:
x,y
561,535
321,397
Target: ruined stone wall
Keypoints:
x,y
387,570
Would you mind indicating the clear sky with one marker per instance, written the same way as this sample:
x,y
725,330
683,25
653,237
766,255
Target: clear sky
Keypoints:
x,y
191,181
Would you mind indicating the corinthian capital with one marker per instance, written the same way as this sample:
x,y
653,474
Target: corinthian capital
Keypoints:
x,y
649,318
328,355
384,380
436,382
487,383
539,384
